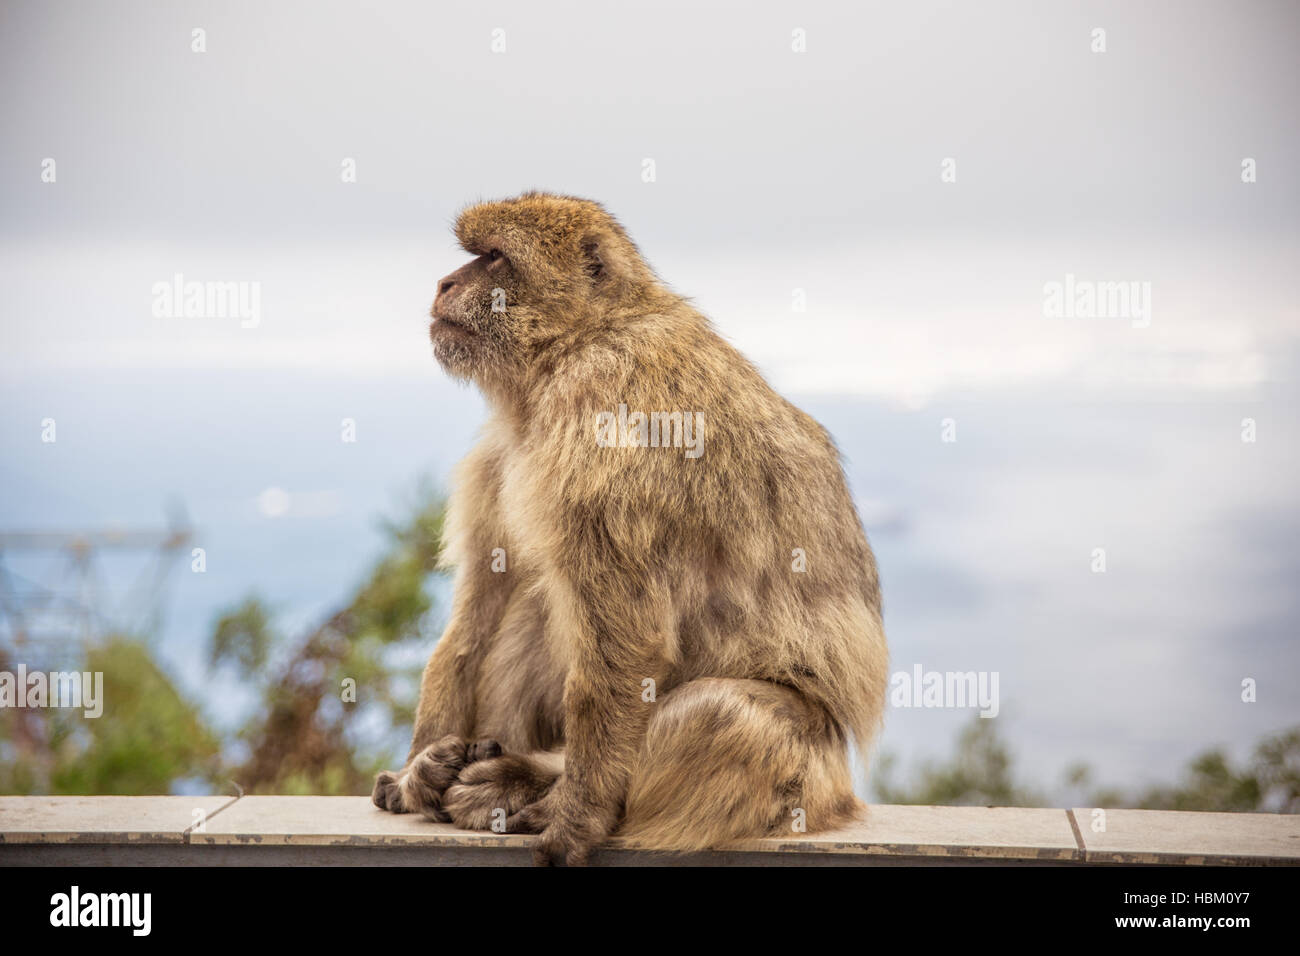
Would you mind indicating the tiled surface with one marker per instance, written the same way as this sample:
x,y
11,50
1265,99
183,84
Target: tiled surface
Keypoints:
x,y
904,831
933,834
337,821
991,832
103,819
1160,836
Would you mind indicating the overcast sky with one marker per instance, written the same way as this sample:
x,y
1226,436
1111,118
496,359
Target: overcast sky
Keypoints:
x,y
755,145
774,171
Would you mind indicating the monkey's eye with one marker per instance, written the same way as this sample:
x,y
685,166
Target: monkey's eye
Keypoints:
x,y
494,255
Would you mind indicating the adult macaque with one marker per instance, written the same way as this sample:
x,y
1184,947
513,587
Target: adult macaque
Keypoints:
x,y
680,647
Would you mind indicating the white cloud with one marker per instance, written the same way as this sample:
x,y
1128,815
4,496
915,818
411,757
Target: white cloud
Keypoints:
x,y
922,321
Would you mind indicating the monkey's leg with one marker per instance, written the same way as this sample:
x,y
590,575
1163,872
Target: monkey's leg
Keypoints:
x,y
444,719
492,791
730,759
481,598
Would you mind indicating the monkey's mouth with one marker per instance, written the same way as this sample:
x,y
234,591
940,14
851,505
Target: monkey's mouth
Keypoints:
x,y
441,323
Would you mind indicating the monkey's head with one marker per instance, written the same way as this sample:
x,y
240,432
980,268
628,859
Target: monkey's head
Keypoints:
x,y
546,270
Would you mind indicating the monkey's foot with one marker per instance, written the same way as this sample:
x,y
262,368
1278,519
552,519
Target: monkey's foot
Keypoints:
x,y
569,830
488,793
420,786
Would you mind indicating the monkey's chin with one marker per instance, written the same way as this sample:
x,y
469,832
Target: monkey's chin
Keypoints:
x,y
457,357
450,338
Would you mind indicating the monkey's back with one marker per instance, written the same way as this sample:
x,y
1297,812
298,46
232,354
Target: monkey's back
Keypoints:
x,y
754,547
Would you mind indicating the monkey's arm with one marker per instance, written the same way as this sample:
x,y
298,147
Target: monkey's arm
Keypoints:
x,y
447,704
481,591
447,709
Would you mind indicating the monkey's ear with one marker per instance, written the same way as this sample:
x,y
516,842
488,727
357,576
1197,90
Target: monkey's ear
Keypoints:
x,y
593,263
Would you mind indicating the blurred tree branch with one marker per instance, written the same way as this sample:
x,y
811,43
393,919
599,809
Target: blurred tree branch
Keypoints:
x,y
300,740
980,774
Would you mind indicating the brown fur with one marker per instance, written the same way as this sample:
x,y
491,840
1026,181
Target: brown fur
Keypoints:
x,y
628,563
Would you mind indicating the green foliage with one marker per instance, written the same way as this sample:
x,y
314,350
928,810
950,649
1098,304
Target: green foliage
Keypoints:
x,y
390,606
243,637
331,702
305,736
1270,780
979,774
147,738
1277,767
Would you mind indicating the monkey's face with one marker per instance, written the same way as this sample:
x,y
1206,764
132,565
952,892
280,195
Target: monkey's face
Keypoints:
x,y
493,314
546,270
473,329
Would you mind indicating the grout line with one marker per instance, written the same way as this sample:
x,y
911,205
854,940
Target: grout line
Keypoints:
x,y
1078,836
231,802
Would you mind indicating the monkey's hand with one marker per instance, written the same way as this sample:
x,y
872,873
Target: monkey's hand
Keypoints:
x,y
570,826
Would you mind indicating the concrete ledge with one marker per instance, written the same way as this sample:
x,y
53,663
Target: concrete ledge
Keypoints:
x,y
1213,839
280,831
104,820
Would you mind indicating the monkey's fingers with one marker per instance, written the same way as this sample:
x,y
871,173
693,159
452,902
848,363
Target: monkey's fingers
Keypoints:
x,y
418,787
533,818
451,752
543,856
577,856
549,850
558,846
386,795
